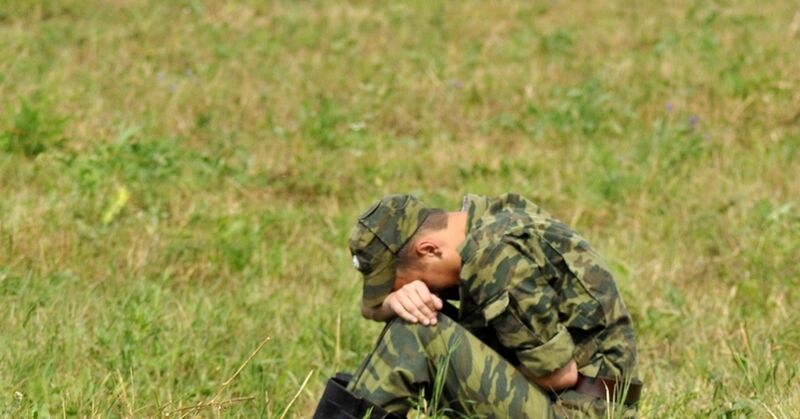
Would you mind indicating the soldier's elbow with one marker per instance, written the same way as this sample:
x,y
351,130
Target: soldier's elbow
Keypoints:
x,y
367,312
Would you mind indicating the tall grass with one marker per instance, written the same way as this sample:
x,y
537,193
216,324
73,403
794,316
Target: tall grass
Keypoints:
x,y
177,181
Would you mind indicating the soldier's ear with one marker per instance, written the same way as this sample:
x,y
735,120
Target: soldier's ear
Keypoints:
x,y
427,247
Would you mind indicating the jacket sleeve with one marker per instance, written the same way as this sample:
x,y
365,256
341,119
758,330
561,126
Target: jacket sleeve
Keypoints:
x,y
524,312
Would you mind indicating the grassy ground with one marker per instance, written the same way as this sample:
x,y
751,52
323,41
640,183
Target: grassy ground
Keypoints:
x,y
177,180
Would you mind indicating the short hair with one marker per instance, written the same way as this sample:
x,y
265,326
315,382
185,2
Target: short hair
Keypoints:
x,y
406,257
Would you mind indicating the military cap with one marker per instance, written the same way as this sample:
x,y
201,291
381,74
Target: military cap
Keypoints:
x,y
378,235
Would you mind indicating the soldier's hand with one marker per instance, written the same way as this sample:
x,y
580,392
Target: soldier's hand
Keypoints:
x,y
414,303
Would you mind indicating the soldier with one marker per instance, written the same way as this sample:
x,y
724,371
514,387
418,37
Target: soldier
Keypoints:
x,y
540,329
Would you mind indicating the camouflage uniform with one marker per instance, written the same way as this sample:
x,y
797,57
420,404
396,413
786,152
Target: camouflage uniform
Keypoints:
x,y
532,293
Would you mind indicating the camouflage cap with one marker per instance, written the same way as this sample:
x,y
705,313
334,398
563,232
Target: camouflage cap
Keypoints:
x,y
378,235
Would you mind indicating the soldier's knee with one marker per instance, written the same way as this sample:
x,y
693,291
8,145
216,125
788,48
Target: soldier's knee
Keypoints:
x,y
422,334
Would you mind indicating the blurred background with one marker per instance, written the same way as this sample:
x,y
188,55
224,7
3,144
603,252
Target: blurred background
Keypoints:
x,y
178,179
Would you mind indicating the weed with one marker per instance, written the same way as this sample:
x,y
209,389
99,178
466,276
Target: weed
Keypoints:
x,y
178,179
34,129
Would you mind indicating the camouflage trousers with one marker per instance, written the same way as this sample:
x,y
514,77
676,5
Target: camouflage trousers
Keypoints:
x,y
449,370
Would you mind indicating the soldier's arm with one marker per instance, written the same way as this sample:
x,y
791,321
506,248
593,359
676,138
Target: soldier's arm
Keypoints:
x,y
525,317
413,303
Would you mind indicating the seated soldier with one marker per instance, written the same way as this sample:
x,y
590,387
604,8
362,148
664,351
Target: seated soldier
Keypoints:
x,y
540,329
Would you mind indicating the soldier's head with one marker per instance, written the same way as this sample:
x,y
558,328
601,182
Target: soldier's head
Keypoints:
x,y
398,240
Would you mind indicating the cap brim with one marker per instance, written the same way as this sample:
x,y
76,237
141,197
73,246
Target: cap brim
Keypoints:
x,y
378,284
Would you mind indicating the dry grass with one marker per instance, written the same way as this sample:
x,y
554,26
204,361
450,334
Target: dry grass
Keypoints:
x,y
249,134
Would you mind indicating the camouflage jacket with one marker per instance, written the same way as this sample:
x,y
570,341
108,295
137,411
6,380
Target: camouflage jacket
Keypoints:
x,y
536,292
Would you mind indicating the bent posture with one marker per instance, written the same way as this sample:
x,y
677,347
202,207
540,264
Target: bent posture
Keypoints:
x,y
540,329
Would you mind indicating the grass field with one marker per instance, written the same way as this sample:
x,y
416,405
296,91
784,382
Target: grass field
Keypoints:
x,y
178,178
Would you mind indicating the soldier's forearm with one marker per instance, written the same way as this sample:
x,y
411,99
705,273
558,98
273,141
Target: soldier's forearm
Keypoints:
x,y
381,313
564,377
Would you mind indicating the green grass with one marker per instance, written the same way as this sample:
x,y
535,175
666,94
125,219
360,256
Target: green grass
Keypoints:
x,y
177,181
